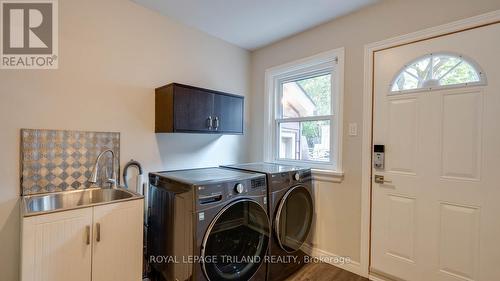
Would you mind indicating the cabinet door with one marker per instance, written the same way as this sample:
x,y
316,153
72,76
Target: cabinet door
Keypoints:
x,y
57,247
192,109
228,112
117,250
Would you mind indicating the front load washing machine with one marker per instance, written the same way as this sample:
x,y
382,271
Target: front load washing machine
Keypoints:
x,y
291,211
208,224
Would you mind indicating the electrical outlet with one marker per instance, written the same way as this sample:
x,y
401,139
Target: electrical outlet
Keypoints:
x,y
353,129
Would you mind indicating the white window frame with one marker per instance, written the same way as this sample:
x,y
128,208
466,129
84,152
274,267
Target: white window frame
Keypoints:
x,y
331,62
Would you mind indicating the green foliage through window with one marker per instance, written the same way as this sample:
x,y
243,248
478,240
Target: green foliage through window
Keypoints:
x,y
319,90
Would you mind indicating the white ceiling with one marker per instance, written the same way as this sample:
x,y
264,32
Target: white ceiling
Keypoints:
x,y
252,24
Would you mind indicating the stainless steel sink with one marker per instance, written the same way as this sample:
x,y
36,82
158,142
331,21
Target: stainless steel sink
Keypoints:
x,y
67,200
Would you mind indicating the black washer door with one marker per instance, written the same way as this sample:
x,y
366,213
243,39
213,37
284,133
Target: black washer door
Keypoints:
x,y
236,242
293,219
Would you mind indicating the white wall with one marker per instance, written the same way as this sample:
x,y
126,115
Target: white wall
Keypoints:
x,y
113,54
338,205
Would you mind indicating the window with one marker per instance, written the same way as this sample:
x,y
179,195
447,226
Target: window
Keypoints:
x,y
304,115
435,71
300,137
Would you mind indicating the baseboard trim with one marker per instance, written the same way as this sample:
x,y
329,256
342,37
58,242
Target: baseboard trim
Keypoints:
x,y
375,278
352,266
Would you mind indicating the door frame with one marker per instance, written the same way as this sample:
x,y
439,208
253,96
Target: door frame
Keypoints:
x,y
369,55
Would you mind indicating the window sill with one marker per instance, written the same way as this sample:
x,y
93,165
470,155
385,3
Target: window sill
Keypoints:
x,y
327,176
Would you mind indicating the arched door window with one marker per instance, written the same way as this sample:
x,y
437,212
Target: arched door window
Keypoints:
x,y
436,71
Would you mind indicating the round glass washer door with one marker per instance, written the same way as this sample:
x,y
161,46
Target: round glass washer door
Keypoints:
x,y
293,219
236,242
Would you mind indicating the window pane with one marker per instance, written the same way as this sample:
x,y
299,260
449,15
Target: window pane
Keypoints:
x,y
308,140
420,68
443,64
405,81
463,73
307,97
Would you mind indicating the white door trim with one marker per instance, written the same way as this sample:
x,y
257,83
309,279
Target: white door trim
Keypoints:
x,y
370,49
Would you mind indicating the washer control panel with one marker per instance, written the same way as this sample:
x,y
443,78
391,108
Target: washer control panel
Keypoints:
x,y
216,193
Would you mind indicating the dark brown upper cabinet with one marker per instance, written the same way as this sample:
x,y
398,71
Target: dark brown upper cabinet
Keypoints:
x,y
187,109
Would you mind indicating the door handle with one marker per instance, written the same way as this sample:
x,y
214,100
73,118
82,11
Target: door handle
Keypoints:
x,y
209,122
98,232
216,122
381,180
87,230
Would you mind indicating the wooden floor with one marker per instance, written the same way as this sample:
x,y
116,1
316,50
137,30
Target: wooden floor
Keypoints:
x,y
321,272
324,272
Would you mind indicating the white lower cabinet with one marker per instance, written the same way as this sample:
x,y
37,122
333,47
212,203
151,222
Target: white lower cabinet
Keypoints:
x,y
117,248
101,243
55,248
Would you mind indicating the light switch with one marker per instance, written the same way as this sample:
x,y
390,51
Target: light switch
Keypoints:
x,y
353,129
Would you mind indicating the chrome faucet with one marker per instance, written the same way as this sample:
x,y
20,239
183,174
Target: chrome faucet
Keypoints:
x,y
113,180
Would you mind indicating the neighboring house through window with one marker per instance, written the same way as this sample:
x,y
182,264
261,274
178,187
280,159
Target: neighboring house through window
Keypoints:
x,y
304,112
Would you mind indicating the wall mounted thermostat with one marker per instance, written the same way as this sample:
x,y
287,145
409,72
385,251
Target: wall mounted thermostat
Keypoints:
x,y
378,156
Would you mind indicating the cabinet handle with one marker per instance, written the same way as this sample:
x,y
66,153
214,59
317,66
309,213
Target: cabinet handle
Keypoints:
x,y
216,123
87,230
209,122
98,232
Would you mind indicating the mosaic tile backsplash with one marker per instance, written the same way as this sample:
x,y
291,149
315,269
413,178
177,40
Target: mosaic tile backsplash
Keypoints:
x,y
54,160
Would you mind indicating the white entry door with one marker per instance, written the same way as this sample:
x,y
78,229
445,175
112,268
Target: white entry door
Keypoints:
x,y
437,216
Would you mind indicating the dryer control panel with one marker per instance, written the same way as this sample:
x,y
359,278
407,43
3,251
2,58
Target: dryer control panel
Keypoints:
x,y
280,181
